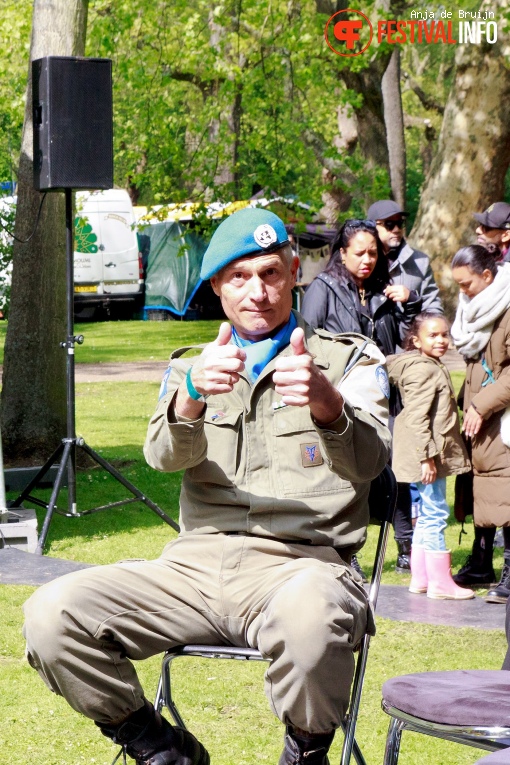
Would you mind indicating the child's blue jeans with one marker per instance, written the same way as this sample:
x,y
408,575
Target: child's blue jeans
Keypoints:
x,y
434,512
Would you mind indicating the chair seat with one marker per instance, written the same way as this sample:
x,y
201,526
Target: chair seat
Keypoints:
x,y
460,697
501,757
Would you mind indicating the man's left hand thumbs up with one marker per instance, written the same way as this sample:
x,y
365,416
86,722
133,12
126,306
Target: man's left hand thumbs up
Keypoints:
x,y
297,342
300,382
293,373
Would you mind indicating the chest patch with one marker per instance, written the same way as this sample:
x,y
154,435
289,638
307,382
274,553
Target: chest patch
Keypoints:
x,y
311,455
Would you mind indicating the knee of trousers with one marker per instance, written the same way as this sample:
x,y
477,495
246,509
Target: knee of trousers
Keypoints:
x,y
317,616
310,631
52,615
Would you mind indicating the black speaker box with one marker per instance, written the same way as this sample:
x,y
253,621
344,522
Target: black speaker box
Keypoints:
x,y
73,123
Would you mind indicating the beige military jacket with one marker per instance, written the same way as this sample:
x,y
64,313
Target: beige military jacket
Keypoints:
x,y
253,465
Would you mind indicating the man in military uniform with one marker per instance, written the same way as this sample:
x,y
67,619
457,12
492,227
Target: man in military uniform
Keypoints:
x,y
280,430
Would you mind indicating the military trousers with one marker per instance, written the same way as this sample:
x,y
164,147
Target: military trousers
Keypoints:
x,y
300,605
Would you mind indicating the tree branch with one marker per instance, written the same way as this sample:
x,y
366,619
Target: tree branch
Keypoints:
x,y
427,101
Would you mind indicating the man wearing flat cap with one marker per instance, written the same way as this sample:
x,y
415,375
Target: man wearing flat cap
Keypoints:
x,y
279,430
407,267
494,228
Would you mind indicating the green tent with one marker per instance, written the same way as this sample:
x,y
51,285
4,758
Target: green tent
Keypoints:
x,y
173,258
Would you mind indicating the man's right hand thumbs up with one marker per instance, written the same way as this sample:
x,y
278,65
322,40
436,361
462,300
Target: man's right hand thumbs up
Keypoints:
x,y
224,334
217,370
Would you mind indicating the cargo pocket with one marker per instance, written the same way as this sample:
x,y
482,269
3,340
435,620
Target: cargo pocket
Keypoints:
x,y
222,428
301,470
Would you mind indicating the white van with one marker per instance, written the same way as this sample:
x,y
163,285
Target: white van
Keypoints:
x,y
107,262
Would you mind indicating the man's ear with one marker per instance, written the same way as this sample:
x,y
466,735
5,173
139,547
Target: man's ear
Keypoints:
x,y
294,266
505,236
214,285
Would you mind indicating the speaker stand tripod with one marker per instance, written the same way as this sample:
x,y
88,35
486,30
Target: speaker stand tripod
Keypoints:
x,y
65,454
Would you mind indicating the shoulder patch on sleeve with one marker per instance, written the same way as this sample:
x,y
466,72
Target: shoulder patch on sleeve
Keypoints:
x,y
383,382
365,384
164,383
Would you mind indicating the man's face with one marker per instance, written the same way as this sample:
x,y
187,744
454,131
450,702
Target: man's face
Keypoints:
x,y
391,231
487,235
256,293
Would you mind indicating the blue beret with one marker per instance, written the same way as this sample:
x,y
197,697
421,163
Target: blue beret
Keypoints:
x,y
247,232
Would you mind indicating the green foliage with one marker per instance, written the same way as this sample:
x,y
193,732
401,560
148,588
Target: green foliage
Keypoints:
x,y
14,44
7,218
179,73
220,101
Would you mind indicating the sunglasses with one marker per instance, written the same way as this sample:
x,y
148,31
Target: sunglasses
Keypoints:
x,y
486,229
358,223
390,225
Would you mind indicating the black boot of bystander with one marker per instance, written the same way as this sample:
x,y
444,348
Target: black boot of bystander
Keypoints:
x,y
478,569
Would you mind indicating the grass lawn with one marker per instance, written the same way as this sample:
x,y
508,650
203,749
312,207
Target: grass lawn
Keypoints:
x,y
223,702
111,341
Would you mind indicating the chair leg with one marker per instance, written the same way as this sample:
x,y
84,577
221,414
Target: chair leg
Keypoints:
x,y
355,751
393,739
159,701
358,755
164,692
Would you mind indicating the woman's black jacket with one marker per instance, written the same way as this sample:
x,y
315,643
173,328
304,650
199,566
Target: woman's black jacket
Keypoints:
x,y
333,304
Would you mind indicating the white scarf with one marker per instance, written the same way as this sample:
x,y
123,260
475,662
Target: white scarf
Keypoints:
x,y
475,316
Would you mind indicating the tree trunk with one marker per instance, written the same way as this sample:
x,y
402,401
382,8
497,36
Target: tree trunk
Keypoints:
x,y
473,154
34,384
394,120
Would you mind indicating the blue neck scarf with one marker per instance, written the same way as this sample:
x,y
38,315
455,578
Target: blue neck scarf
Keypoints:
x,y
259,353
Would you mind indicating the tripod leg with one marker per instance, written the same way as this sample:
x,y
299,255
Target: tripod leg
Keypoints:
x,y
54,496
35,480
128,485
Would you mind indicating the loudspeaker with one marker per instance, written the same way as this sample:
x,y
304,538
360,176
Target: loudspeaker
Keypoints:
x,y
73,123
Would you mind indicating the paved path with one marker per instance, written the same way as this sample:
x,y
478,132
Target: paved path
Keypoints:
x,y
397,603
143,371
152,371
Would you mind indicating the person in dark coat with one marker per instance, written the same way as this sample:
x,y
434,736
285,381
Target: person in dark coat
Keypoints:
x,y
353,294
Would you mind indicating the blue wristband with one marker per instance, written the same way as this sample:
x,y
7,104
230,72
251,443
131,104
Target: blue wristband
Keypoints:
x,y
192,391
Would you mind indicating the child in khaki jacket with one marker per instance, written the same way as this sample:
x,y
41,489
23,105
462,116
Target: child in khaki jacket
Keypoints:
x,y
427,447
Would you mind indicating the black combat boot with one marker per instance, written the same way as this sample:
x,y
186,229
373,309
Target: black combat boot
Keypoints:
x,y
501,592
478,569
149,739
310,749
404,556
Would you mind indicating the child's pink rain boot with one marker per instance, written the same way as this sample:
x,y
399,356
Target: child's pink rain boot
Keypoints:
x,y
419,579
441,585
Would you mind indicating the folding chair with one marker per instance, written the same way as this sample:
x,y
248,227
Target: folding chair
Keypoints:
x,y
382,498
470,707
501,757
